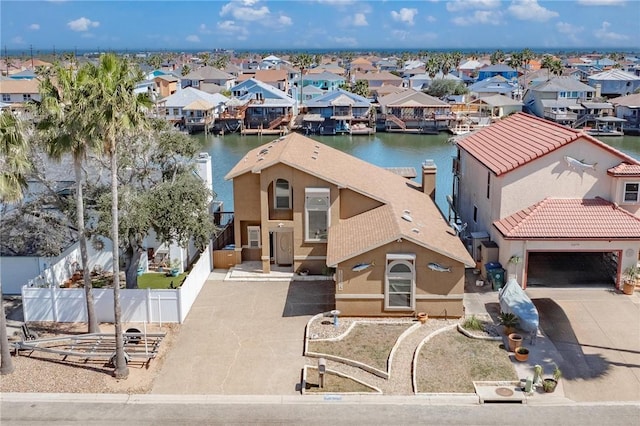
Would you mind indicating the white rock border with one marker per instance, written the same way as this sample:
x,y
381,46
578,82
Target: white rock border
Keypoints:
x,y
375,390
467,333
414,367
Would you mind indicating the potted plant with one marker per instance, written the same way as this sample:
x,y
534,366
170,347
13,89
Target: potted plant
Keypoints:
x,y
509,321
521,353
549,384
422,317
631,275
175,267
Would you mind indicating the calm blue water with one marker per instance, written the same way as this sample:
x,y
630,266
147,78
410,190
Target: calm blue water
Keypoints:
x,y
381,149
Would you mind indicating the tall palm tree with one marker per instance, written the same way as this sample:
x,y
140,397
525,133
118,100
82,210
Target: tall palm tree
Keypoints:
x,y
302,61
527,55
64,127
14,165
432,66
457,58
497,57
447,62
117,112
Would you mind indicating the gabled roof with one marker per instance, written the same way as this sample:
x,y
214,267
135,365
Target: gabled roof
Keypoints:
x,y
495,84
561,84
411,97
337,97
571,219
372,229
522,138
167,77
630,101
208,73
497,100
324,75
377,76
625,170
470,65
271,75
184,97
198,105
497,68
614,75
253,86
19,86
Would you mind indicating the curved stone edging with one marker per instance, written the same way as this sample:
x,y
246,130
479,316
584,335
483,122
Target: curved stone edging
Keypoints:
x,y
306,332
350,362
375,389
398,342
414,381
467,333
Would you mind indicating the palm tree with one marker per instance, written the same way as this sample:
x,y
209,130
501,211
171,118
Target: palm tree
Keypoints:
x,y
221,62
447,62
432,66
117,111
553,65
527,55
497,57
361,88
302,61
457,58
64,127
186,69
14,165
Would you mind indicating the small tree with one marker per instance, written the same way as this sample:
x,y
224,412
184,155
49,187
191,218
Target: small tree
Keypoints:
x,y
361,88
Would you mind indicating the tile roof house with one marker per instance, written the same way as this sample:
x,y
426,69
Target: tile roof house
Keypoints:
x,y
536,187
301,205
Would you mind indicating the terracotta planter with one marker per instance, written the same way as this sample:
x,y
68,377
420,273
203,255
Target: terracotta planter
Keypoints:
x,y
423,317
549,385
522,354
515,341
629,287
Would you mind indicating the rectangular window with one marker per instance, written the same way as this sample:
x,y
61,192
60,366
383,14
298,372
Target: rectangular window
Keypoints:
x,y
400,282
488,184
631,192
282,194
176,111
475,214
253,236
316,209
6,97
26,97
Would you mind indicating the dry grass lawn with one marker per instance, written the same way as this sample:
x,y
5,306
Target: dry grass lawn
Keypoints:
x,y
450,362
333,383
369,344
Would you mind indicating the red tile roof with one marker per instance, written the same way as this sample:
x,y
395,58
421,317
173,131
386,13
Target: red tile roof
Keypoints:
x,y
521,138
625,169
571,219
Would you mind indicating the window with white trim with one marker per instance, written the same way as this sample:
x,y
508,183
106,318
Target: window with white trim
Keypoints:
x,y
253,233
631,192
6,97
316,212
282,194
400,282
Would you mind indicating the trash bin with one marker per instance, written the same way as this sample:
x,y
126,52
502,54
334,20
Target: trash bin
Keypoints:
x,y
492,265
496,277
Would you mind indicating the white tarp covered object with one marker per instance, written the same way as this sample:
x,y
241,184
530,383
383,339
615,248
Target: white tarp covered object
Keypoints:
x,y
514,300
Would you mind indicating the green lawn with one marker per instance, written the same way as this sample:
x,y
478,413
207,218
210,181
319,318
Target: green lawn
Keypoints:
x,y
156,280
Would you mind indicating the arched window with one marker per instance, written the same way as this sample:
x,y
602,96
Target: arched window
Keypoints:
x,y
282,194
400,282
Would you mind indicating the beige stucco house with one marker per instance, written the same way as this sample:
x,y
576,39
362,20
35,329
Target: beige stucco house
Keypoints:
x,y
305,206
552,196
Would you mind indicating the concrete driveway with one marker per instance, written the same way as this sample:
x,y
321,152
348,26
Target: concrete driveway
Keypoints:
x,y
243,338
597,332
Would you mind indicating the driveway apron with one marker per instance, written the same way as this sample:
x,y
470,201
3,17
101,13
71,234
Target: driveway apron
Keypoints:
x,y
243,338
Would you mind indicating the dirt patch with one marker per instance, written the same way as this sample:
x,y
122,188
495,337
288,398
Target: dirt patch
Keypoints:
x,y
44,372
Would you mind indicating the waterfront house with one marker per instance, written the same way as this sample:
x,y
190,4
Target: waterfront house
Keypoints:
x,y
497,106
547,193
192,108
263,107
414,111
208,74
302,206
337,112
628,109
558,99
615,82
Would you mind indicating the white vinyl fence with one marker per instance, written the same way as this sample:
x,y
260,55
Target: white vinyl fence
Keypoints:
x,y
138,305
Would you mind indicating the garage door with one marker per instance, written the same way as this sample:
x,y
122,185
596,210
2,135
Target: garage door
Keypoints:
x,y
558,269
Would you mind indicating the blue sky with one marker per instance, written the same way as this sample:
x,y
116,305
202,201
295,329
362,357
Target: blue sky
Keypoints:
x,y
319,24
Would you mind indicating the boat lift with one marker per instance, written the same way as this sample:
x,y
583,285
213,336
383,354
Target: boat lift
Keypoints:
x,y
97,346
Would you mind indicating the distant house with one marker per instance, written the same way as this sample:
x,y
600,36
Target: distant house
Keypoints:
x,y
547,193
208,74
19,92
262,105
166,85
628,108
497,106
361,65
494,85
378,79
558,99
338,111
300,205
332,68
470,68
278,78
192,108
414,111
498,69
326,81
615,82
423,81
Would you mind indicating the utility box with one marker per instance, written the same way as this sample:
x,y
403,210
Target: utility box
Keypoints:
x,y
489,252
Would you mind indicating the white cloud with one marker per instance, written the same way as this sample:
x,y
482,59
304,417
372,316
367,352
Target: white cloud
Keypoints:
x,y
431,18
34,27
285,20
203,29
337,2
18,40
345,41
400,34
485,17
530,10
193,38
602,2
82,24
604,33
404,15
244,10
233,28
458,5
567,28
360,20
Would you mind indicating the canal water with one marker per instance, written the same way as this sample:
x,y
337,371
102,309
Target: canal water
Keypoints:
x,y
381,149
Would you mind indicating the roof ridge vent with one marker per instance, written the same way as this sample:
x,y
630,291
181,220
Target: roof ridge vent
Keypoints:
x,y
416,230
407,217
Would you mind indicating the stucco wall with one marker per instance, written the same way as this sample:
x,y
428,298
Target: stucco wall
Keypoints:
x,y
353,204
